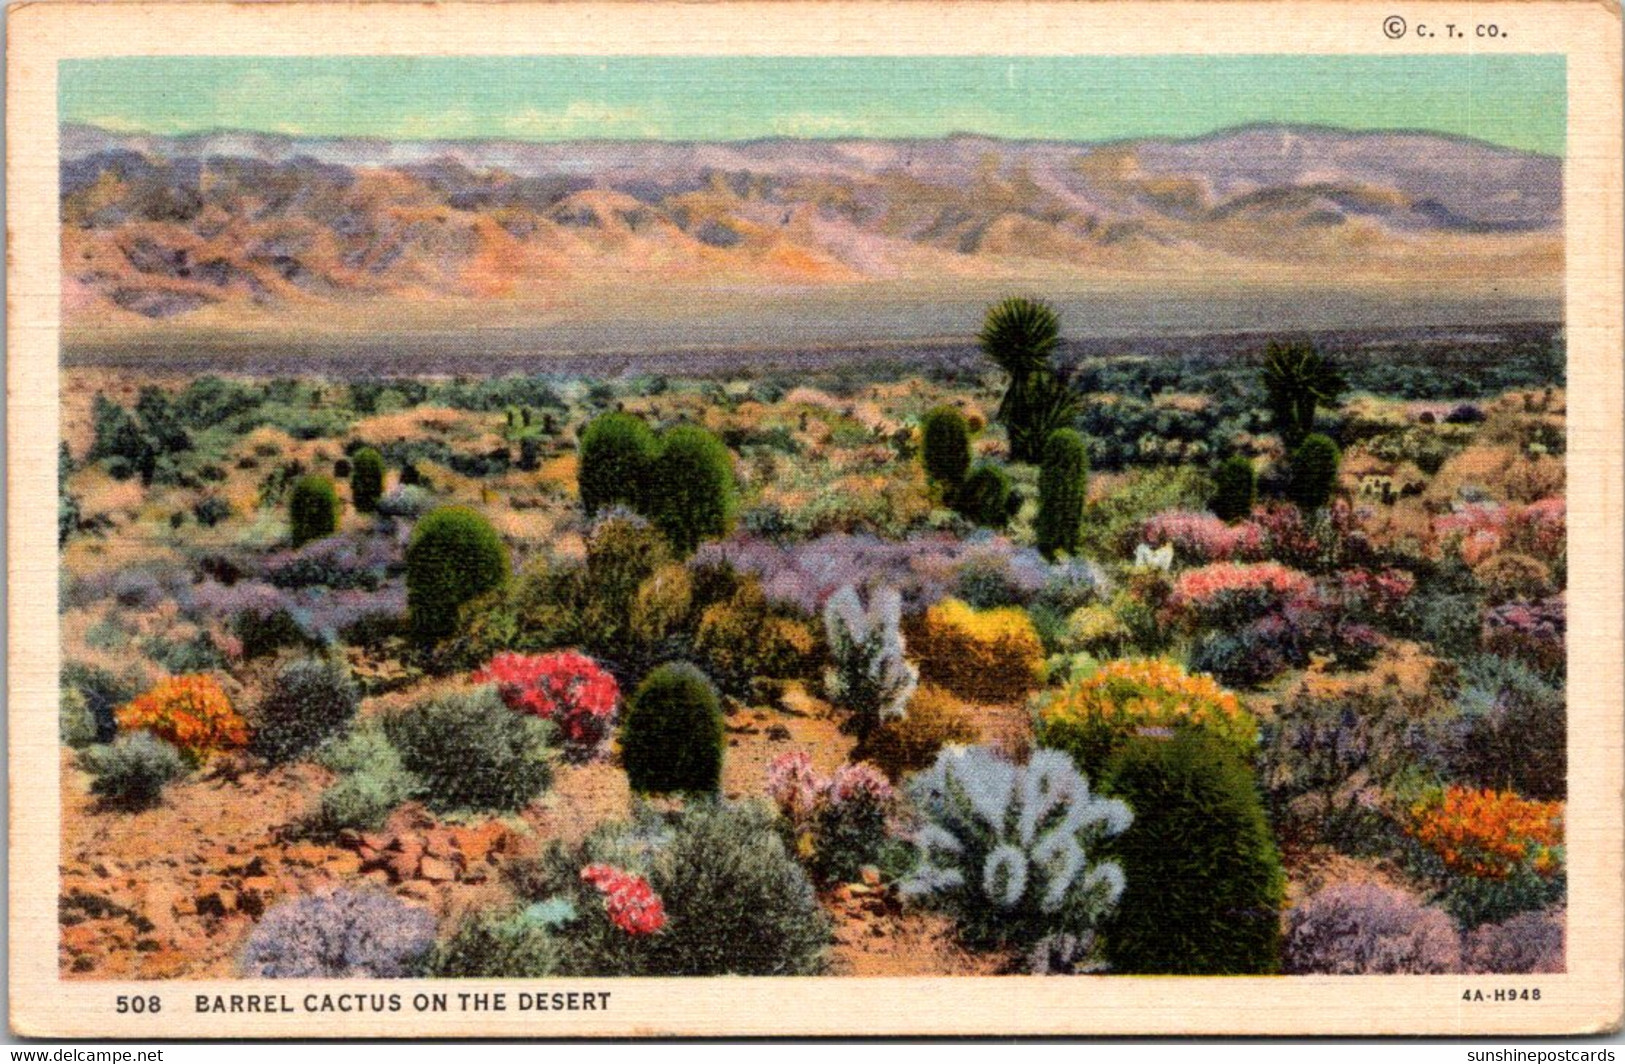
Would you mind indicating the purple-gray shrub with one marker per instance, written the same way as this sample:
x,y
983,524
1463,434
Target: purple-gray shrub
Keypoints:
x,y
343,934
1366,929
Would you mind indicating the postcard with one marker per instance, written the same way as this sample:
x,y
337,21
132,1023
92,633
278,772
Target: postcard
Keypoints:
x,y
815,518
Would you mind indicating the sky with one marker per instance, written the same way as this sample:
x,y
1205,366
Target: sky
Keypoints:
x,y
1517,101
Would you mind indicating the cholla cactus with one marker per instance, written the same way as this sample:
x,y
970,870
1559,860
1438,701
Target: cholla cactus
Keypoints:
x,y
871,679
1006,847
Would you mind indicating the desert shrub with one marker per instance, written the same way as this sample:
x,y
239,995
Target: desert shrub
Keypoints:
x,y
617,457
1204,880
195,654
1512,729
692,493
372,782
191,712
338,563
1235,489
1367,929
1246,659
366,480
869,679
341,934
407,500
454,555
1012,852
989,575
623,552
945,448
934,719
1314,472
1094,630
1112,524
1528,942
838,823
103,692
671,735
743,637
1491,854
1227,595
1202,538
499,944
1532,632
307,702
1092,717
1063,480
313,510
211,510
469,751
76,724
1508,577
732,901
567,688
131,771
987,655
986,498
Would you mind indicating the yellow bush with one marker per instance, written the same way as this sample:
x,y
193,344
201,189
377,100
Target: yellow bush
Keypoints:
x,y
910,743
984,655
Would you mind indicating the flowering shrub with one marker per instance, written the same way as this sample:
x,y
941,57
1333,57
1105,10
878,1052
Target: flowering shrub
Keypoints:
x,y
1090,717
1367,929
1489,834
1527,942
1378,594
1007,848
987,655
338,935
838,824
934,719
629,901
1507,577
1474,530
1199,538
1541,528
567,688
191,713
1531,631
1228,593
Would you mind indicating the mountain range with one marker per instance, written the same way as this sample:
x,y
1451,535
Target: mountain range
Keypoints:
x,y
233,229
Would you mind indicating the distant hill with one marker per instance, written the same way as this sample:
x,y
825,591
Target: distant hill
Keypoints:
x,y
230,228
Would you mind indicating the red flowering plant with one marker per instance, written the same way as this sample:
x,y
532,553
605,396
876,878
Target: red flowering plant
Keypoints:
x,y
836,824
629,901
1200,538
568,688
1373,595
1228,595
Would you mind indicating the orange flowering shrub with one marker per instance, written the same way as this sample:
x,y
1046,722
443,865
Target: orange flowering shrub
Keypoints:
x,y
1089,718
983,655
190,712
1489,834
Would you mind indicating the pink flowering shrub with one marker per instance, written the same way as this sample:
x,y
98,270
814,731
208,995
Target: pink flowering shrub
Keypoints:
x,y
1200,538
567,688
1540,529
1228,594
1532,631
630,903
1473,530
837,824
1375,594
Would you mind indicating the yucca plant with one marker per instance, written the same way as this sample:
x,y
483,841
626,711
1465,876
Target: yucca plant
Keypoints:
x,y
1020,335
1297,380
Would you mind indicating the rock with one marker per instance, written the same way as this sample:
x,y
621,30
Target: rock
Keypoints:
x,y
870,875
778,733
438,843
305,854
419,890
402,866
437,870
351,839
343,865
216,903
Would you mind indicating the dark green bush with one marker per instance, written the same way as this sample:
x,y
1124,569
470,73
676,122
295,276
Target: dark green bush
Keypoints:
x,y
103,692
617,456
945,447
1205,885
497,945
76,725
1235,489
469,751
1063,482
372,782
131,772
692,494
1314,472
454,555
986,497
313,509
671,735
308,701
366,479
263,632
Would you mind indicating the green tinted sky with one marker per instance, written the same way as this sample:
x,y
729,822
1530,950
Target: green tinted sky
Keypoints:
x,y
1512,100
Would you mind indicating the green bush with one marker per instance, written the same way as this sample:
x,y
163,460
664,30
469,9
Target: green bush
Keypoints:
x,y
986,497
76,724
366,480
454,555
692,494
617,457
1063,482
497,945
313,509
671,736
1205,885
1235,489
1314,472
131,772
468,751
307,702
736,902
945,447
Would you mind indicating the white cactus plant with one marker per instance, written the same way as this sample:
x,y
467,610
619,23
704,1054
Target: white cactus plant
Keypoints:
x,y
871,679
1006,847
